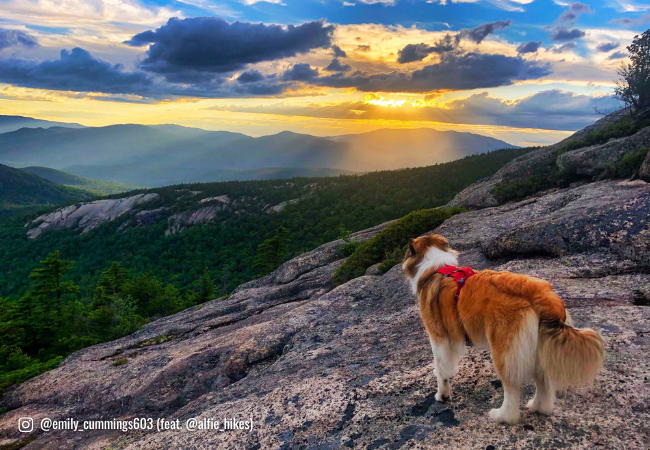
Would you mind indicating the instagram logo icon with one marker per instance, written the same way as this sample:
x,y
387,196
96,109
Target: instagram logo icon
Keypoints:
x,y
25,424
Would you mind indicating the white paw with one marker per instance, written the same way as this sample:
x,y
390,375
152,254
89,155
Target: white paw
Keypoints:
x,y
500,416
534,406
443,397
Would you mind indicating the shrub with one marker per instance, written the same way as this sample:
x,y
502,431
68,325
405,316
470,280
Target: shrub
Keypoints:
x,y
390,241
630,164
518,190
120,362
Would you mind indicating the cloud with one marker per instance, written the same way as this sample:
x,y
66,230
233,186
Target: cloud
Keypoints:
x,y
563,34
529,47
618,55
449,42
336,66
11,38
76,70
551,110
643,19
453,72
300,72
607,47
251,76
562,48
363,48
184,47
417,52
575,10
338,52
479,33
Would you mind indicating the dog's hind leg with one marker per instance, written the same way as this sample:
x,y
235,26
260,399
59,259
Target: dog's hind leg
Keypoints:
x,y
514,355
544,398
447,355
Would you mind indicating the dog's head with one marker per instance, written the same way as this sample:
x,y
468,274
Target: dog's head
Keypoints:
x,y
433,250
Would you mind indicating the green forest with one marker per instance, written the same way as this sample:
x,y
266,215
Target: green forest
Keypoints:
x,y
66,290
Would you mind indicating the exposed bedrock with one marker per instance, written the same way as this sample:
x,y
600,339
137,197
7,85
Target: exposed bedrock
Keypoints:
x,y
316,366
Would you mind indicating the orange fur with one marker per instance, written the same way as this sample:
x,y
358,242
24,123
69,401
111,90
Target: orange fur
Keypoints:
x,y
520,318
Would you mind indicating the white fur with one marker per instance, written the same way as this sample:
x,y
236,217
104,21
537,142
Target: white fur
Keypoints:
x,y
521,357
519,367
434,257
447,355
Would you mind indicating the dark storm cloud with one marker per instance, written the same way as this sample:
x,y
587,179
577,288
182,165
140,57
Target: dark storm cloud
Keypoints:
x,y
479,33
449,43
251,76
607,47
336,66
453,72
417,52
300,72
563,34
76,70
529,47
338,52
10,38
212,45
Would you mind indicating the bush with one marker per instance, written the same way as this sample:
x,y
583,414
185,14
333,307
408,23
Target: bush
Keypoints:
x,y
8,379
630,164
623,128
390,241
518,190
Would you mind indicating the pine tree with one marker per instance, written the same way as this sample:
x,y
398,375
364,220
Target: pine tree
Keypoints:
x,y
205,288
112,282
38,312
271,252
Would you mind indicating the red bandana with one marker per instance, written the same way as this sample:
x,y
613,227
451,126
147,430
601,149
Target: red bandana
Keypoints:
x,y
460,275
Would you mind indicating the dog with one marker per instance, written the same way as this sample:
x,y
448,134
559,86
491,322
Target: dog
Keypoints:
x,y
518,317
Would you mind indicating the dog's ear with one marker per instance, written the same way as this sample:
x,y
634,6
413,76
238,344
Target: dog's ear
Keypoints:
x,y
412,249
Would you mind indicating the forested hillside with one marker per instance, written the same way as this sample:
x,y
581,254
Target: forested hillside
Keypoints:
x,y
124,272
19,189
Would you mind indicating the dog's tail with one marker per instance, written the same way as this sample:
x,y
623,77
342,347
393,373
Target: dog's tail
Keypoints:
x,y
568,356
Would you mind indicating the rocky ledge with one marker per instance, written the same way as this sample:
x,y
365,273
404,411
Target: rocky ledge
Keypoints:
x,y
86,216
316,366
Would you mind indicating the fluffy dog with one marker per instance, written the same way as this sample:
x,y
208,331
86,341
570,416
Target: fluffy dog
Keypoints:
x,y
518,317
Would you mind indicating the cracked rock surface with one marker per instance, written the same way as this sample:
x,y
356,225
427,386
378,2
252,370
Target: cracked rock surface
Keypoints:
x,y
318,366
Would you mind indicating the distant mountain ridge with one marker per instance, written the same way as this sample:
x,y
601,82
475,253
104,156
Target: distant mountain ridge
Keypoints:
x,y
87,184
13,123
161,155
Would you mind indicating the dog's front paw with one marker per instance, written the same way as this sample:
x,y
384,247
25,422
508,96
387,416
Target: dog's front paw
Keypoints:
x,y
501,416
443,397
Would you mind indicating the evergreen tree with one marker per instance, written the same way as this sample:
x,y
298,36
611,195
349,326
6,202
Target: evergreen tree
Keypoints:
x,y
271,252
38,312
205,288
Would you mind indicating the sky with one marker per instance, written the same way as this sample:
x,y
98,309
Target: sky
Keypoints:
x,y
525,71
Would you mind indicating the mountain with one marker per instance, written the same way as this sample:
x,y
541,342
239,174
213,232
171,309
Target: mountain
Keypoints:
x,y
399,148
94,186
13,123
20,189
169,154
